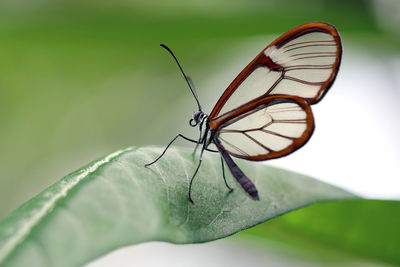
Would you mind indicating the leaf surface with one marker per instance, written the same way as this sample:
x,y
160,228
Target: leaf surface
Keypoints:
x,y
115,201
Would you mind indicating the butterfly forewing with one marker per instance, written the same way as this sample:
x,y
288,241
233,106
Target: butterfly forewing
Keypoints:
x,y
255,85
308,63
302,62
266,128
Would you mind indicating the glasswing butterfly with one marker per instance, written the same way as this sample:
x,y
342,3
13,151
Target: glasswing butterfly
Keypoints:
x,y
265,112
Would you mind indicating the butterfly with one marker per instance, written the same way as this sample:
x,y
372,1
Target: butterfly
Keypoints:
x,y
265,113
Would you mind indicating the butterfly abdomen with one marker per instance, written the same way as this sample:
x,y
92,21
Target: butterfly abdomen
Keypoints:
x,y
240,177
248,186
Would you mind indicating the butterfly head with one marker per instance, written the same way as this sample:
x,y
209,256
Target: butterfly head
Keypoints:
x,y
198,117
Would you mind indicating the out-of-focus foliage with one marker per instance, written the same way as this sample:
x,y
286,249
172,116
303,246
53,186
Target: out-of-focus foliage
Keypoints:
x,y
336,232
79,79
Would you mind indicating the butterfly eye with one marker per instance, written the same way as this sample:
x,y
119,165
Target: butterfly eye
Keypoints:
x,y
196,118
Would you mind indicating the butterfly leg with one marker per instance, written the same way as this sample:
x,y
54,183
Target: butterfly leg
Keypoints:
x,y
191,181
223,175
170,143
198,142
197,169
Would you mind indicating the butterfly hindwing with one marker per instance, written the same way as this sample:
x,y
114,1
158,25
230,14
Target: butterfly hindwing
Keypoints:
x,y
268,128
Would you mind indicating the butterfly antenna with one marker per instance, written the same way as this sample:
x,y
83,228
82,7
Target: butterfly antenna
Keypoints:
x,y
187,79
192,85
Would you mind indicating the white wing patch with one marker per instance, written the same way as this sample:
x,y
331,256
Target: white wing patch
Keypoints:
x,y
289,87
255,85
265,130
308,62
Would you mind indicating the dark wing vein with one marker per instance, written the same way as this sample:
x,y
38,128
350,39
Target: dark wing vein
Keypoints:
x,y
314,53
277,134
309,67
303,81
285,109
300,121
235,147
257,142
309,42
300,58
299,47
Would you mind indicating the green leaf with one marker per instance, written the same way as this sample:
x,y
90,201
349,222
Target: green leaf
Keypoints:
x,y
115,201
338,232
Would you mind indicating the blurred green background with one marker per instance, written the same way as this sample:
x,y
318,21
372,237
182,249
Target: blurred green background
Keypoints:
x,y
80,79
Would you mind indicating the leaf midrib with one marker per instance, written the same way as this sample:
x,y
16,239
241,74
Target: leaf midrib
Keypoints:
x,y
29,224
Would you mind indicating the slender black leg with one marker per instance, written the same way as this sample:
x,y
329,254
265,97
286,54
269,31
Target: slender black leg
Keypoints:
x,y
211,150
198,142
197,169
170,143
191,181
223,174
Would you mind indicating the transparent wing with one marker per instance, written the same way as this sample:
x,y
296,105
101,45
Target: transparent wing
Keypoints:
x,y
268,128
302,62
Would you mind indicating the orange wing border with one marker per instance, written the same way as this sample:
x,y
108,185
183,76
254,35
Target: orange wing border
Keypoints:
x,y
262,60
222,121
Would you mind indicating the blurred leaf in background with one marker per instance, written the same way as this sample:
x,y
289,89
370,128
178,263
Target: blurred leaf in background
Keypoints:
x,y
79,79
